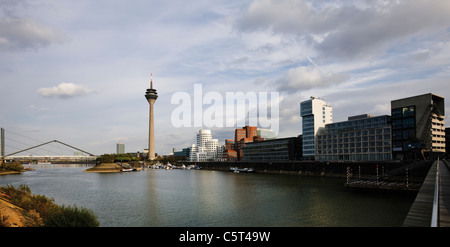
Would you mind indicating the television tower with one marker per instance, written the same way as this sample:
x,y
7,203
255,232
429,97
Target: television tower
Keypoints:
x,y
151,97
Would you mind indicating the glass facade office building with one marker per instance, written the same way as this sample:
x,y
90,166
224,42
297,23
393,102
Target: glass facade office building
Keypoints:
x,y
282,149
361,138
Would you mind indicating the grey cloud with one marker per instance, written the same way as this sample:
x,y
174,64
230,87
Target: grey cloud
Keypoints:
x,y
19,34
282,16
307,77
375,31
347,31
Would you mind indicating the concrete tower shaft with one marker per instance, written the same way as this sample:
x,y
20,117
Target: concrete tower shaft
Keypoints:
x,y
151,95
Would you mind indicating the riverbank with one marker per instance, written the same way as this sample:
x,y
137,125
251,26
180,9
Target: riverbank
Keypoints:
x,y
11,215
105,167
14,172
20,208
11,168
9,172
109,167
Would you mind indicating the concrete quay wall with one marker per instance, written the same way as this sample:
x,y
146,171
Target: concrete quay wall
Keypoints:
x,y
314,168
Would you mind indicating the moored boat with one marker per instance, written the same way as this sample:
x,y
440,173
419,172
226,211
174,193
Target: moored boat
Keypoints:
x,y
128,170
238,170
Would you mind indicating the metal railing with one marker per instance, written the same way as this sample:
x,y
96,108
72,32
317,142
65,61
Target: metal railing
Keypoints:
x,y
435,214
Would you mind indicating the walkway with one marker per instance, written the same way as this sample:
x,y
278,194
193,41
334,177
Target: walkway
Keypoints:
x,y
421,212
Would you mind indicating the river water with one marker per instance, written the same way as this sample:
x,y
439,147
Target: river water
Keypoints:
x,y
185,198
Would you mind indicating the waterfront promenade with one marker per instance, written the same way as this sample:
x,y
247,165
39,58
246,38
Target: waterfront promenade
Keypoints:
x,y
432,204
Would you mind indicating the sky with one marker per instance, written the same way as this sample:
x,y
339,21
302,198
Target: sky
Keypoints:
x,y
77,71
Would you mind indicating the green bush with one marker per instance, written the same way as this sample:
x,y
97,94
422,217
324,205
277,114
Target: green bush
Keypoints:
x,y
14,166
23,198
51,213
71,217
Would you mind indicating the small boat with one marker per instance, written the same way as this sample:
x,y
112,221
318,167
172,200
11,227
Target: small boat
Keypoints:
x,y
238,170
193,167
128,170
44,163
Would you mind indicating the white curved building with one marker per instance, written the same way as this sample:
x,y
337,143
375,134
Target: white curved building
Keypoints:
x,y
206,148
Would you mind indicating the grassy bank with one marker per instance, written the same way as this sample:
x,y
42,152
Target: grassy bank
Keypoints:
x,y
11,168
105,167
21,208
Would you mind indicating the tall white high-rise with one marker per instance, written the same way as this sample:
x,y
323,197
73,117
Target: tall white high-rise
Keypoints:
x,y
315,114
206,147
203,137
120,148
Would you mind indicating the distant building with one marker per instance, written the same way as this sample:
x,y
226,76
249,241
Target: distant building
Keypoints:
x,y
315,114
418,127
206,148
233,149
120,148
229,152
361,138
282,149
242,136
183,153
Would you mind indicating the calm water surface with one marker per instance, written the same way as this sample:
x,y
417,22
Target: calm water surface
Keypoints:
x,y
212,198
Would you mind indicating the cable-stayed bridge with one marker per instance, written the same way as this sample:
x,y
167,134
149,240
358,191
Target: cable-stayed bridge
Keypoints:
x,y
19,148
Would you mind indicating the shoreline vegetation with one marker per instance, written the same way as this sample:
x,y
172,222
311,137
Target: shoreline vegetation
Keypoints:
x,y
105,167
20,208
12,168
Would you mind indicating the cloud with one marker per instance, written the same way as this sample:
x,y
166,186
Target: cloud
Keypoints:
x,y
343,30
65,91
374,31
20,34
346,51
307,77
39,108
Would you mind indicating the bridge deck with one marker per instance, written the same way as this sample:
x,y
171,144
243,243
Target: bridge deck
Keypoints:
x,y
444,196
421,211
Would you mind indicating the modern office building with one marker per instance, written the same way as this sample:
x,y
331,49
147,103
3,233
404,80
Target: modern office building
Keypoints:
x,y
183,153
361,138
120,148
418,127
315,114
206,148
203,137
282,149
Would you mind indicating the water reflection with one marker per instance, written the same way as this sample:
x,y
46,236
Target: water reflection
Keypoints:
x,y
212,198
